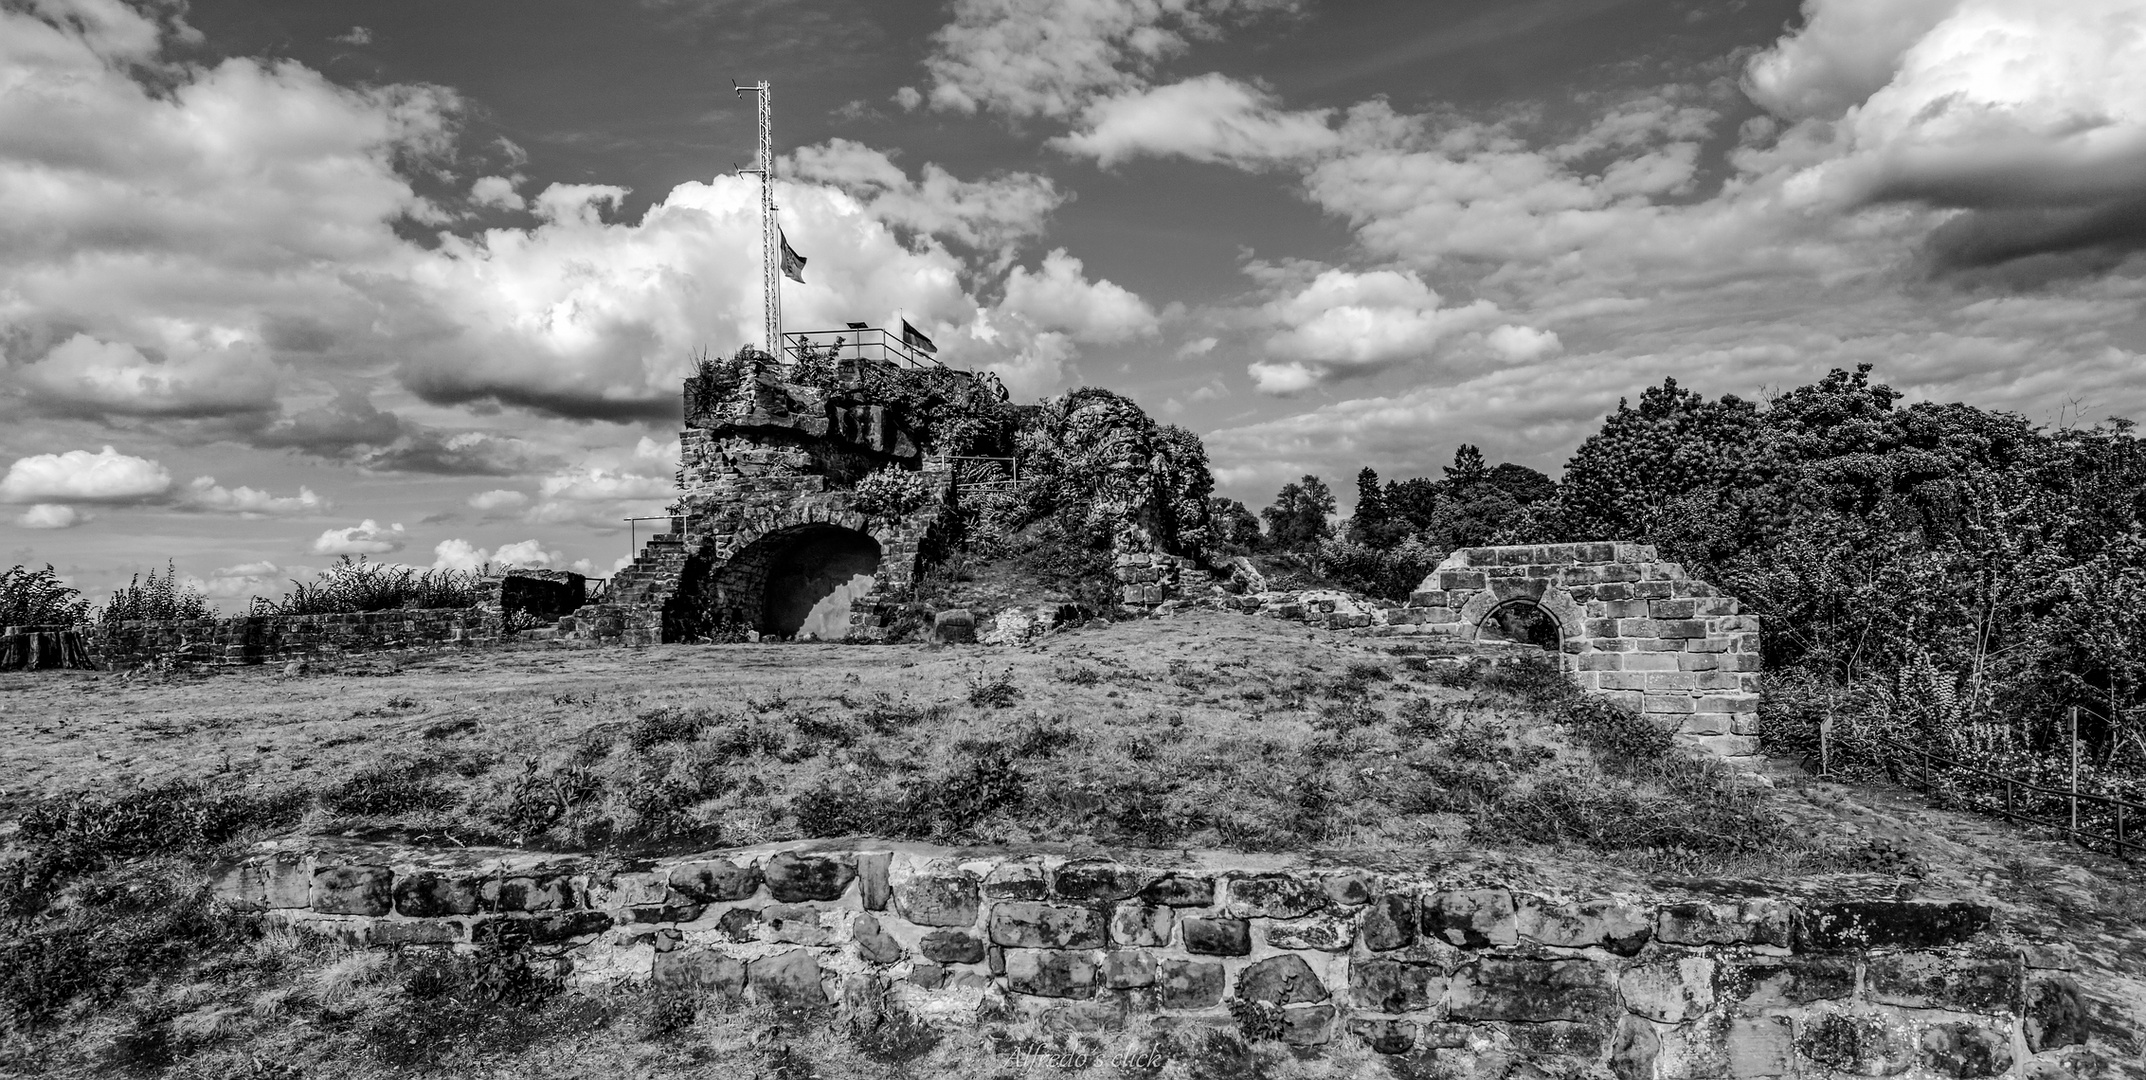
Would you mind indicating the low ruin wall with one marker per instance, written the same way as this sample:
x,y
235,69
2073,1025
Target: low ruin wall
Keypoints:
x,y
1455,972
259,639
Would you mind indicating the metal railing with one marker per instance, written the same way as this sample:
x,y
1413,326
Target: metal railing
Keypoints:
x,y
2021,799
870,344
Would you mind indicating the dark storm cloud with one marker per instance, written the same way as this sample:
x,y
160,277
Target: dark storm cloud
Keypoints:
x,y
2061,242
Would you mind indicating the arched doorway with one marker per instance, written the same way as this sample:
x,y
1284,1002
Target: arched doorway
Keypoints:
x,y
1523,622
813,573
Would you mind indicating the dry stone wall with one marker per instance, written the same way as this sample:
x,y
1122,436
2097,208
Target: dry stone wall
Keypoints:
x,y
1458,975
258,639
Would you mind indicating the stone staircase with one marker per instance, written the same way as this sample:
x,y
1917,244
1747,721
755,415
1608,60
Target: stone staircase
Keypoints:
x,y
634,609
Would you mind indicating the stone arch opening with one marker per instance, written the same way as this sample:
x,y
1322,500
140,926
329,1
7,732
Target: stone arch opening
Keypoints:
x,y
813,574
1523,622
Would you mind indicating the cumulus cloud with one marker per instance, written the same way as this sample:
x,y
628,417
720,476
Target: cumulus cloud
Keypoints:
x,y
991,214
51,516
243,580
1059,297
1212,118
1030,58
85,375
206,495
1344,323
460,554
79,476
497,501
1521,344
365,538
497,191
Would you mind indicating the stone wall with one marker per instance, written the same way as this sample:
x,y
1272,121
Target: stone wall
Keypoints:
x,y
1458,974
259,639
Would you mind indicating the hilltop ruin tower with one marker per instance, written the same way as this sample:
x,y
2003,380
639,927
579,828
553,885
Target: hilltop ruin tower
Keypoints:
x,y
807,495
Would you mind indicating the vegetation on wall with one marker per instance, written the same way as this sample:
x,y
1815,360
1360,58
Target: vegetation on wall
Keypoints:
x,y
359,585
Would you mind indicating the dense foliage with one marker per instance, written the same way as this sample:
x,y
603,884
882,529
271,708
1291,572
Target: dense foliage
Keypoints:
x,y
359,585
157,598
37,598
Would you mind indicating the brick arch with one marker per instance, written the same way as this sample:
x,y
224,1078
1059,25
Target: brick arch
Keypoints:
x,y
1636,629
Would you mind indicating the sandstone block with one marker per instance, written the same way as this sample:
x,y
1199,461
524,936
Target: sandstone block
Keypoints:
x,y
426,894
939,900
791,978
274,882
1532,991
1390,922
1708,723
1325,933
1888,924
952,947
2055,1015
1275,896
1621,928
1471,918
1281,980
1050,973
1749,922
1180,890
1028,924
698,971
1652,590
1667,990
548,928
1666,681
352,890
1650,661
1606,662
872,879
1021,879
397,932
1669,704
1311,1025
1394,987
663,913
1191,984
1788,981
1634,1048
1760,1047
1623,680
1348,890
1924,980
1141,924
1218,937
714,880
1561,1039
1127,969
1864,1044
1670,609
1098,879
874,945
1965,1050
793,877
1384,1036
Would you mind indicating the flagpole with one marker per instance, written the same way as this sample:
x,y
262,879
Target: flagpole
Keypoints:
x,y
770,254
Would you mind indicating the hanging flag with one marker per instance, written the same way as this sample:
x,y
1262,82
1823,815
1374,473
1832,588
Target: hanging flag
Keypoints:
x,y
793,264
915,339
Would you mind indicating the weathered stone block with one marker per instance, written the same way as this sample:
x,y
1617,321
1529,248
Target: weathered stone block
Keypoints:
x,y
1347,890
1191,984
1141,924
2055,1014
1275,896
279,881
664,913
1965,1050
1622,680
1311,1025
1668,704
389,933
872,879
698,971
426,894
1218,937
1561,1039
1393,987
537,892
1050,973
1634,1048
1888,924
1326,933
1749,922
1921,980
1670,990
1099,879
1532,991
1180,890
1384,1036
548,928
1861,1043
874,945
1127,969
952,947
1281,980
1028,924
793,877
352,890
1020,879
1621,928
1760,1046
791,978
1390,922
1471,918
1646,661
1606,662
939,900
1788,981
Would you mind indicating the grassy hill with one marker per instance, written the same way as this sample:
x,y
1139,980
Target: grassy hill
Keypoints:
x,y
1203,731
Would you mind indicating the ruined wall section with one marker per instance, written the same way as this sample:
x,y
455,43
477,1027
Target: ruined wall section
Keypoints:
x,y
1465,977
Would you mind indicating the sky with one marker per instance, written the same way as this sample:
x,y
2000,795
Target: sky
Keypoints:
x,y
284,282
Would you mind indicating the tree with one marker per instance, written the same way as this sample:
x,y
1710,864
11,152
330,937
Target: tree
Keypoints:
x,y
1236,527
1467,467
1411,502
1297,520
1372,525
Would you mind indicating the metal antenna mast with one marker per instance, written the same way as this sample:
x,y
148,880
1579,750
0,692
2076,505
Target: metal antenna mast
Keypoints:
x,y
770,244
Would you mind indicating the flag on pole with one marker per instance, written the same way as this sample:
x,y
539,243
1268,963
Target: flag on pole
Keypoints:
x,y
793,264
915,339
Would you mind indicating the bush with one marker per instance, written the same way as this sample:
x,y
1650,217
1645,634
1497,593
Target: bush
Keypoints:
x,y
158,598
355,585
667,725
893,493
391,787
37,598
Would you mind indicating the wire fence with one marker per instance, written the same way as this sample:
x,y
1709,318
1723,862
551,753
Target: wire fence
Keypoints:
x,y
2088,819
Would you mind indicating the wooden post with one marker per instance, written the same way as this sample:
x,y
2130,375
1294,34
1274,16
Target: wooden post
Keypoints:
x,y
2123,849
2073,715
1825,746
2008,799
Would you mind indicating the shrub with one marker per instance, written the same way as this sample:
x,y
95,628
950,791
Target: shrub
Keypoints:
x,y
400,786
667,725
993,691
893,493
158,598
358,585
123,928
37,598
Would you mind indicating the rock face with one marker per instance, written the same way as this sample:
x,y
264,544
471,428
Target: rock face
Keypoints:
x,y
1455,978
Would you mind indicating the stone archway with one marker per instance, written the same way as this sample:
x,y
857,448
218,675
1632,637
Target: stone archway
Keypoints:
x,y
1523,622
789,580
1631,627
